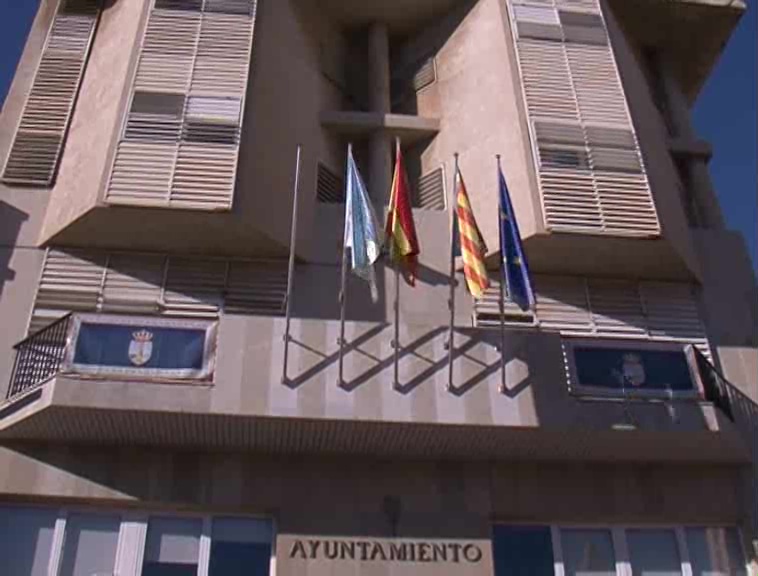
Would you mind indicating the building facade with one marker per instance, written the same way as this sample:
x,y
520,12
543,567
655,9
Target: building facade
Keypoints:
x,y
160,420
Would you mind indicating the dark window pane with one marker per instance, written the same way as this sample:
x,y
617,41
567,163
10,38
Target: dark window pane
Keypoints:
x,y
240,547
26,536
172,547
522,551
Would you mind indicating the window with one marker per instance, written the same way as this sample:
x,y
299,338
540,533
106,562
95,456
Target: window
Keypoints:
x,y
588,553
86,544
41,132
590,170
654,553
172,547
597,551
148,284
180,143
631,368
89,546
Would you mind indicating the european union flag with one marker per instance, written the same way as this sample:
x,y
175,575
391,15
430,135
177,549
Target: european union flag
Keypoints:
x,y
514,266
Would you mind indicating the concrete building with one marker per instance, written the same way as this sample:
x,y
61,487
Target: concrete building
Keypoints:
x,y
150,425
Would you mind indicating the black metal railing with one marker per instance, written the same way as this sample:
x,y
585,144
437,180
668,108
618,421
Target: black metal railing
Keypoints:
x,y
38,357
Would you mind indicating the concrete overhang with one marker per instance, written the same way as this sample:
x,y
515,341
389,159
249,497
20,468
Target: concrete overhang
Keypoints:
x,y
407,127
691,33
86,411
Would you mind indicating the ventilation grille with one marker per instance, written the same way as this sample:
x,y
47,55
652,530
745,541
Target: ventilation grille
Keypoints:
x,y
77,281
574,306
429,192
39,138
330,188
180,144
591,174
426,75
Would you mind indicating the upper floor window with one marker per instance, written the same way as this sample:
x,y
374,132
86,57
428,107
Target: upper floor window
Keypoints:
x,y
41,131
591,175
179,146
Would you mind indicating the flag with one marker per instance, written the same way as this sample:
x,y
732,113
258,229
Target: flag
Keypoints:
x,y
362,234
400,230
471,244
514,268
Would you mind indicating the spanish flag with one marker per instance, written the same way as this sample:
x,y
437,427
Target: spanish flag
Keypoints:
x,y
473,248
400,230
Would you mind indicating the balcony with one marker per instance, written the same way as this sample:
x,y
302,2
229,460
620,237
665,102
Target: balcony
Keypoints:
x,y
92,378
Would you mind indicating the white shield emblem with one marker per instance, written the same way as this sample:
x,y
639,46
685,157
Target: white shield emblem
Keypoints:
x,y
141,347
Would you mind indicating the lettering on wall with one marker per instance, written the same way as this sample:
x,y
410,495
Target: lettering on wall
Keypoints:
x,y
383,551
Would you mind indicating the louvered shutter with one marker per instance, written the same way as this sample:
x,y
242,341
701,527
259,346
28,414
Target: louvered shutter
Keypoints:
x,y
256,288
429,191
591,175
562,304
132,284
330,188
487,308
71,281
39,137
194,287
616,308
180,144
425,75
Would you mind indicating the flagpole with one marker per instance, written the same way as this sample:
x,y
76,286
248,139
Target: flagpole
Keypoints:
x,y
291,268
503,375
343,282
451,300
396,340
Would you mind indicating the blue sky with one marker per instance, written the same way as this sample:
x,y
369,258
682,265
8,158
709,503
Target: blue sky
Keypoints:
x,y
725,113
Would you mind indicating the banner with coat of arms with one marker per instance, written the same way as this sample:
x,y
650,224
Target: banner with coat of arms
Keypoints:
x,y
141,348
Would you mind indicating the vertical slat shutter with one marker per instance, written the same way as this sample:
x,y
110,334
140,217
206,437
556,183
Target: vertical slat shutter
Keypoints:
x,y
195,53
39,138
591,176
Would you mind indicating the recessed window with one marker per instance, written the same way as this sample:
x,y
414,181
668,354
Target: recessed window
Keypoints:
x,y
172,547
588,552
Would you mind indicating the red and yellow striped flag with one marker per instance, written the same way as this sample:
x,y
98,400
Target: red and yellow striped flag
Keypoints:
x,y
400,230
473,248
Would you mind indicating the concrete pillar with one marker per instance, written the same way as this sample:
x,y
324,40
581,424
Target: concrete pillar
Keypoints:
x,y
701,187
379,146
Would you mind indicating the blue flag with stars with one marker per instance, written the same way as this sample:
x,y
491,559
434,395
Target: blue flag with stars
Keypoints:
x,y
514,266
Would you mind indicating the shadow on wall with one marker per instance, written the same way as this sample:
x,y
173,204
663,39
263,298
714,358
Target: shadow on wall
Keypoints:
x,y
10,224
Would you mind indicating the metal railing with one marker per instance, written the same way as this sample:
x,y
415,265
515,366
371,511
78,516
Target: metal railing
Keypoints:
x,y
38,357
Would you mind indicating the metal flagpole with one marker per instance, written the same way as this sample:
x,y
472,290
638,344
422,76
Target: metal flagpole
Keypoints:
x,y
343,278
396,340
503,375
451,300
291,269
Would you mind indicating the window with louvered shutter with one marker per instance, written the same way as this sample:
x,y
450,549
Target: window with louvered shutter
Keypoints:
x,y
180,144
425,75
123,283
41,132
330,188
575,306
590,170
429,191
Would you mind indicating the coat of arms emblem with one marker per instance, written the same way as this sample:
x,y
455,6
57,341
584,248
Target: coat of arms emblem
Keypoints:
x,y
141,347
632,370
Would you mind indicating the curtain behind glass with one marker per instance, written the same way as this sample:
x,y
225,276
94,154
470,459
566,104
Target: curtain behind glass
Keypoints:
x,y
715,552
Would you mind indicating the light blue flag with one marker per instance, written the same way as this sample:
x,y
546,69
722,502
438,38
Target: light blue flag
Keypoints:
x,y
362,234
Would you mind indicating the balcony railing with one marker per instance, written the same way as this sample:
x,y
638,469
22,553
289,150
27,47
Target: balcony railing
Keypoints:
x,y
39,357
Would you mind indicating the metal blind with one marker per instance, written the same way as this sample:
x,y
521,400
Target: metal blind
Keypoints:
x,y
425,75
591,175
180,143
83,281
40,134
330,188
429,191
662,311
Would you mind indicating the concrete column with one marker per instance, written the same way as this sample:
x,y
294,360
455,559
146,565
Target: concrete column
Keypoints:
x,y
379,146
709,211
